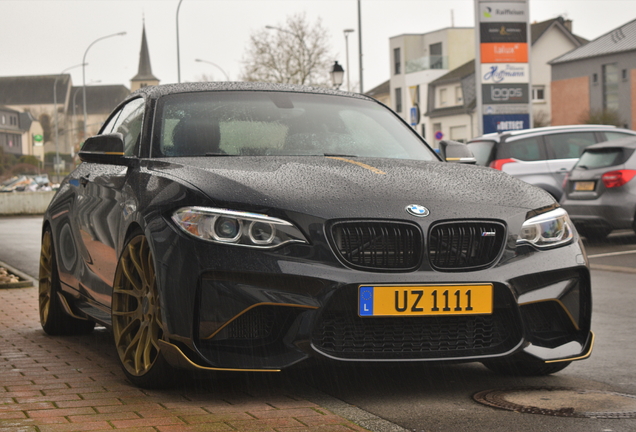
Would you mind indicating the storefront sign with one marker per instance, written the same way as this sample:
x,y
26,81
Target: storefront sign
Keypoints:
x,y
505,93
503,73
503,12
504,52
506,122
503,32
505,109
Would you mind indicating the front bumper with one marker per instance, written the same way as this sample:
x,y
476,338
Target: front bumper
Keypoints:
x,y
274,309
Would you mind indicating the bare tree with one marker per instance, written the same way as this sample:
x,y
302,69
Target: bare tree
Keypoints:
x,y
293,53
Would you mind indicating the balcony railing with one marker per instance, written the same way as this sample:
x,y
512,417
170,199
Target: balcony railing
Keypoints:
x,y
426,63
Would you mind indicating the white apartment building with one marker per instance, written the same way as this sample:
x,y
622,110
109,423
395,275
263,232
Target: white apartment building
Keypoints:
x,y
417,60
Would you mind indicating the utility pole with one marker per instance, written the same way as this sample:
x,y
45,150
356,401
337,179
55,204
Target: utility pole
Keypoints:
x,y
360,45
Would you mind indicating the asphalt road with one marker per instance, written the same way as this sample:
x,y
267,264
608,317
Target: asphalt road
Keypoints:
x,y
440,398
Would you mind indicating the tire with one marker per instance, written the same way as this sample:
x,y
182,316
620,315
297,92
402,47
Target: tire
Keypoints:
x,y
524,367
53,317
137,318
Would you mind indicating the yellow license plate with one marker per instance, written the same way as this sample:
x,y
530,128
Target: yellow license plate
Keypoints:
x,y
584,186
374,301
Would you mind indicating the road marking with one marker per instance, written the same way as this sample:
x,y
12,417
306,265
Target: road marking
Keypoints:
x,y
613,268
611,254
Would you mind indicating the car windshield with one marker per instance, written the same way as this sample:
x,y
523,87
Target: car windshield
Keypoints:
x,y
603,158
241,123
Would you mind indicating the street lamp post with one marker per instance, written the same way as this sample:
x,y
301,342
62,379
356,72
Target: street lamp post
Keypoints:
x,y
337,74
360,43
84,72
75,128
178,55
56,164
227,78
346,35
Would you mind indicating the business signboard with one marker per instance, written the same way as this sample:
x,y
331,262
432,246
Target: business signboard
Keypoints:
x,y
507,11
505,93
504,73
491,32
504,52
502,36
505,109
506,122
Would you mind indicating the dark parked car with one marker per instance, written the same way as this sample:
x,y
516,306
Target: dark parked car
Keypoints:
x,y
600,192
251,226
541,156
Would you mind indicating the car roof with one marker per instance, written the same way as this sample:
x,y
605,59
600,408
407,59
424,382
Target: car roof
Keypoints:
x,y
622,142
497,136
155,92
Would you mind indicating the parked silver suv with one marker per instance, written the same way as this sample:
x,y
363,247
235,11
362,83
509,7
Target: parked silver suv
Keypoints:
x,y
541,156
600,193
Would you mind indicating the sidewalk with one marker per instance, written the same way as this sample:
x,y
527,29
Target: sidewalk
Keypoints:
x,y
75,383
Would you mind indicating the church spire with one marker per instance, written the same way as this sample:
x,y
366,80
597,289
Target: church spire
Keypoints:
x,y
144,75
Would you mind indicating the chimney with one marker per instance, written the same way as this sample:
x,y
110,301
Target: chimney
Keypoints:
x,y
568,24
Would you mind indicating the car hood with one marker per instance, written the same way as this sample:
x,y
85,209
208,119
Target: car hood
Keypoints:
x,y
334,187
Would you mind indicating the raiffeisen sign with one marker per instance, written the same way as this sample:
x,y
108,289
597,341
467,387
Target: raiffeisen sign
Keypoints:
x,y
508,11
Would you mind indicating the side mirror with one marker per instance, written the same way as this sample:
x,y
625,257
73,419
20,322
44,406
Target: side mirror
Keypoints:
x,y
454,151
104,149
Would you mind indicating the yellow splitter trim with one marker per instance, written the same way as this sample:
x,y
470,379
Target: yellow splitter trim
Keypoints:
x,y
424,300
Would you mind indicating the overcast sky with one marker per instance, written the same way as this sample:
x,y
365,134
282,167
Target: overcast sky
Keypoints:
x,y
48,36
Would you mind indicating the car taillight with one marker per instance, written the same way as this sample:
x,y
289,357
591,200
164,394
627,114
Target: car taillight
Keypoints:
x,y
499,163
565,181
618,178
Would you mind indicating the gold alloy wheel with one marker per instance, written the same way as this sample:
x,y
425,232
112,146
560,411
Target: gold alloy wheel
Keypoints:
x,y
46,278
136,312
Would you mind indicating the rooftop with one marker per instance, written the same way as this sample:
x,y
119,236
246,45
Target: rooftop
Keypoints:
x,y
618,40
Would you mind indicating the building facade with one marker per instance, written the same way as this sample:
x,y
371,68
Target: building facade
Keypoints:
x,y
32,107
597,79
451,105
417,60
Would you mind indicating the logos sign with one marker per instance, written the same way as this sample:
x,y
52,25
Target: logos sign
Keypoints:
x,y
504,73
504,52
506,122
504,93
503,32
505,109
503,12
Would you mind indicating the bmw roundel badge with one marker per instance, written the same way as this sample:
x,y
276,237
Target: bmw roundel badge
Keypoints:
x,y
417,210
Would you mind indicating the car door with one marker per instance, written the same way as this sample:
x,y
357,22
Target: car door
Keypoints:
x,y
525,159
103,195
564,150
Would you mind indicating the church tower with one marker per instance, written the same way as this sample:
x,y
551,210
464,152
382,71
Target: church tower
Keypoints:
x,y
144,75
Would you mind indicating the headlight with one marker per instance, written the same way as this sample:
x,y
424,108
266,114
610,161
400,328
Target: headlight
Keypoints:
x,y
546,230
236,228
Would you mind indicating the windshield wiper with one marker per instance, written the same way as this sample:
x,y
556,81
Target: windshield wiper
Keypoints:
x,y
582,167
218,154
